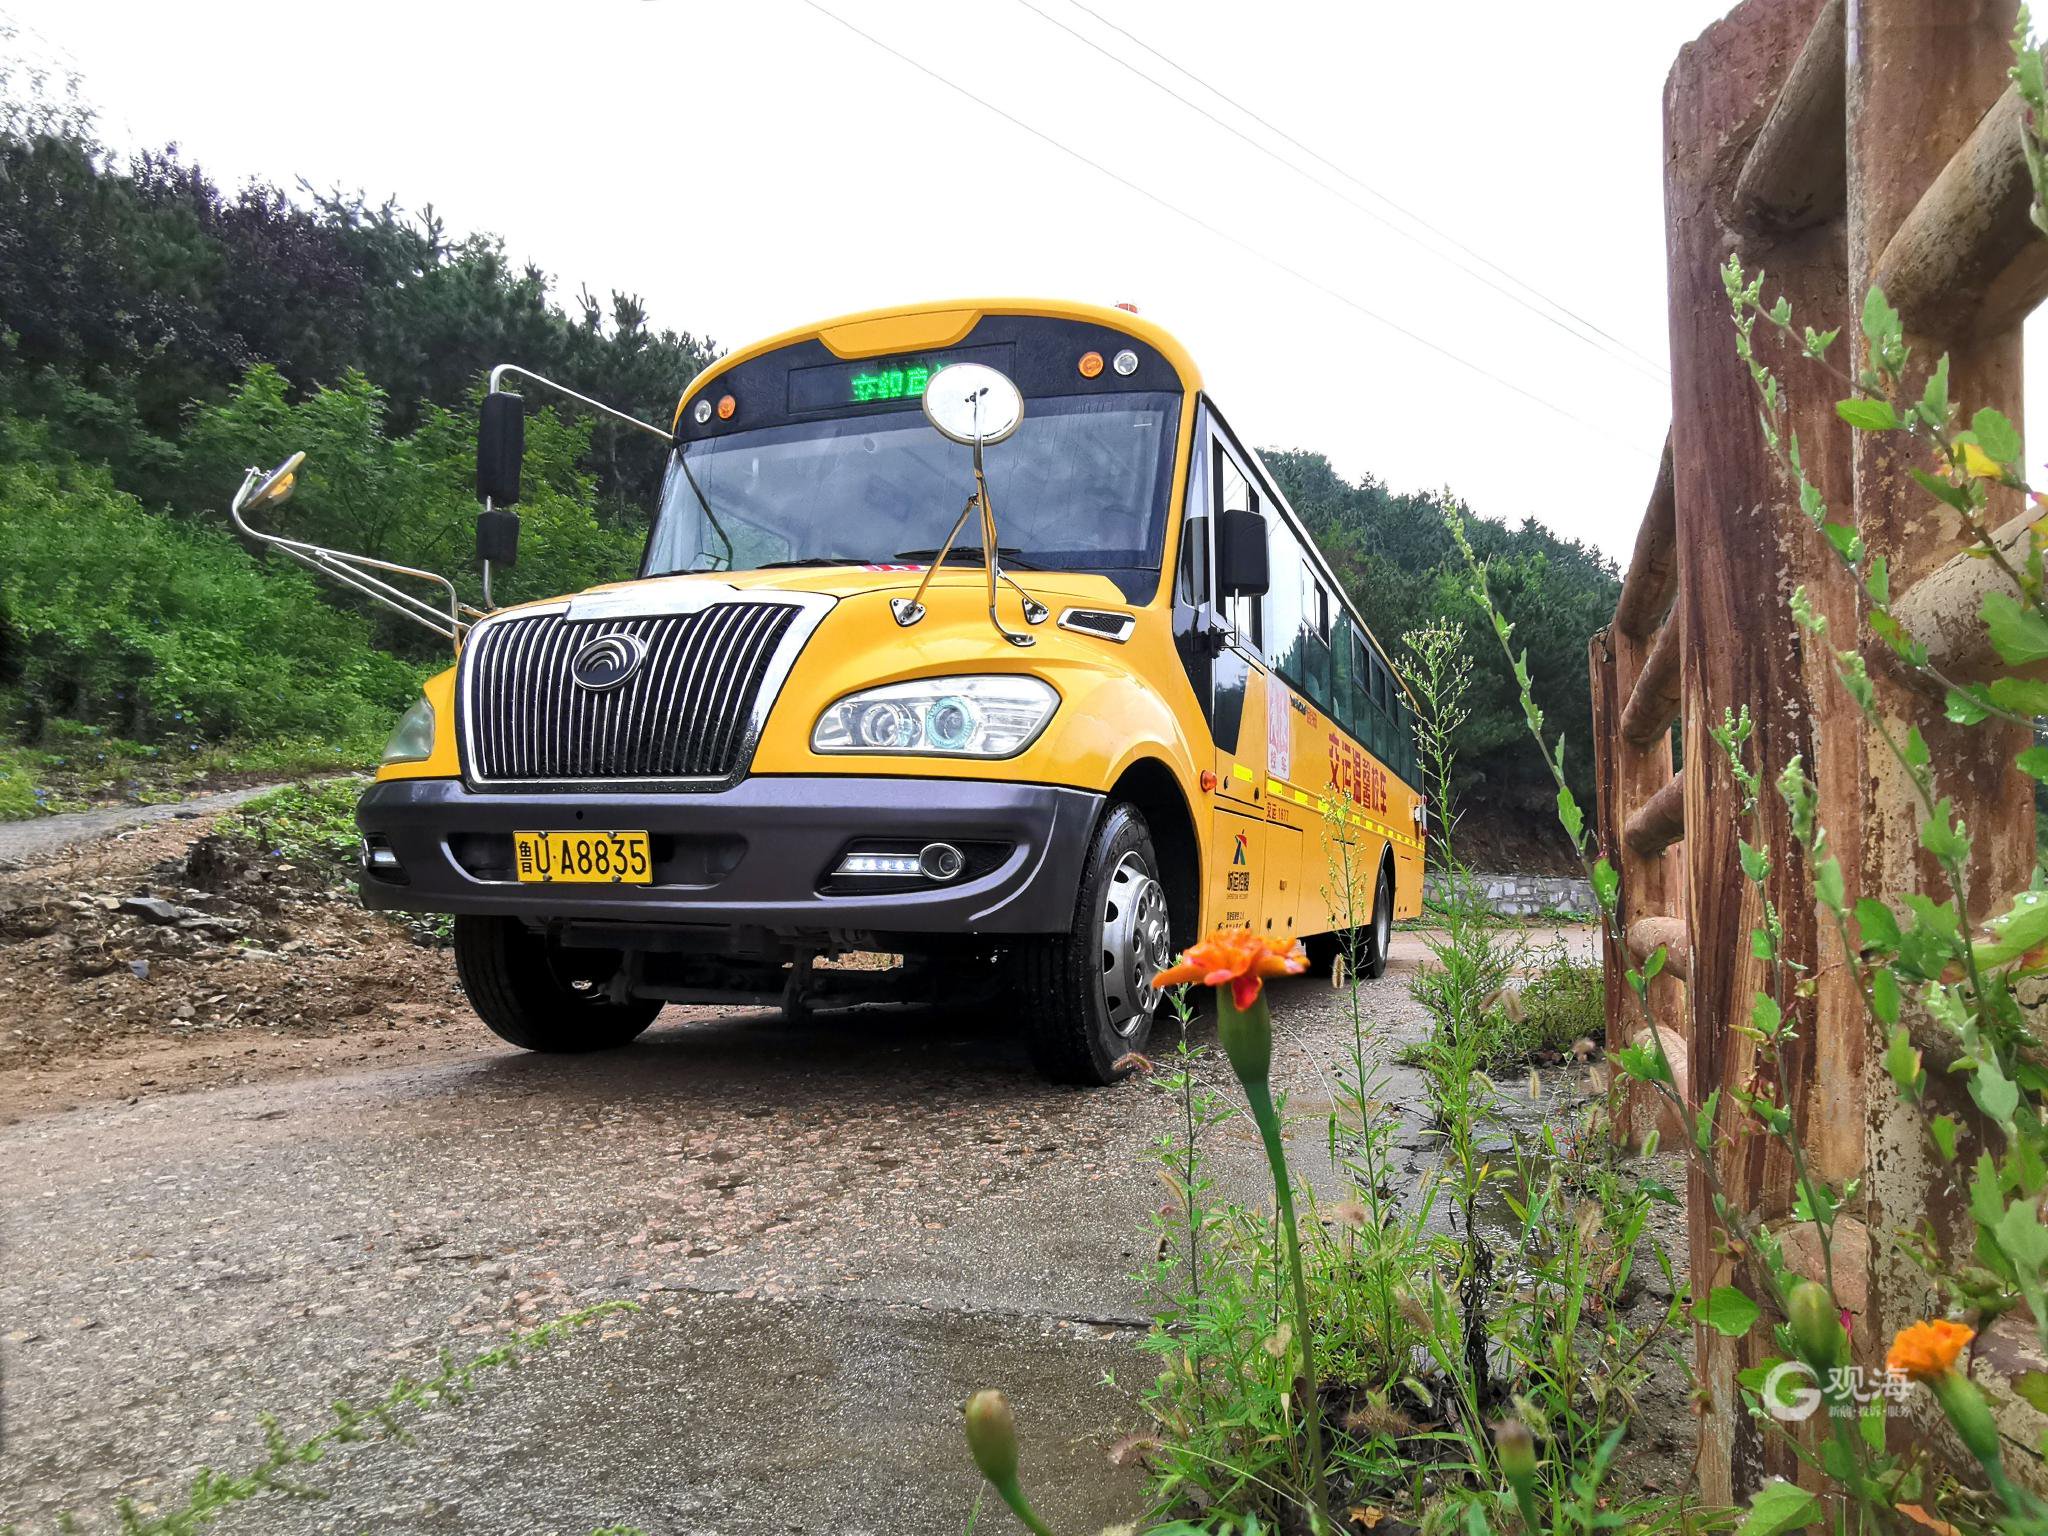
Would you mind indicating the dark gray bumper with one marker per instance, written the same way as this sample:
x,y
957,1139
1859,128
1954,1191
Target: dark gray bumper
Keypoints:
x,y
754,855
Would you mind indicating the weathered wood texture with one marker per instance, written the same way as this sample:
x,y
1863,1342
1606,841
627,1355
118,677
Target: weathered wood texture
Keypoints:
x,y
1795,173
1741,647
1652,579
1832,143
1659,821
1921,78
1968,259
1653,701
1647,935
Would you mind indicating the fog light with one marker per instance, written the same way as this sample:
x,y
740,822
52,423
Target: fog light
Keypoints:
x,y
904,864
379,858
941,861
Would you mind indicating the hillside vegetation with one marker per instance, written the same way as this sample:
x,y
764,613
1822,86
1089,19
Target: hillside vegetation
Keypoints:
x,y
158,335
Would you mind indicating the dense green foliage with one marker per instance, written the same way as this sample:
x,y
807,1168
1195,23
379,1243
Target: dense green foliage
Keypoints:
x,y
1402,569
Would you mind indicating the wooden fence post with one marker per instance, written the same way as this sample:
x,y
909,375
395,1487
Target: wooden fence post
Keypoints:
x,y
1922,78
1741,646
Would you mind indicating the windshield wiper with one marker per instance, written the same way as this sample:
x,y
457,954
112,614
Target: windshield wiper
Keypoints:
x,y
966,553
787,565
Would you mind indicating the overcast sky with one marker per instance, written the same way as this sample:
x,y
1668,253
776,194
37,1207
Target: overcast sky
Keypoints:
x,y
750,166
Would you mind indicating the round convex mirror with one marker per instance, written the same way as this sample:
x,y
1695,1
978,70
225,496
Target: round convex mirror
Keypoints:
x,y
278,485
973,403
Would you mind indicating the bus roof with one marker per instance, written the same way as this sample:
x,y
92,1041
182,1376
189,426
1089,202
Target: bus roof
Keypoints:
x,y
913,327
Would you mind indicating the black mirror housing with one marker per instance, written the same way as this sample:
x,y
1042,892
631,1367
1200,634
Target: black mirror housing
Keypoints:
x,y
500,450
497,537
1243,562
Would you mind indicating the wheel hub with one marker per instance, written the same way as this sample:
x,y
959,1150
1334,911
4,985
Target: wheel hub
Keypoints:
x,y
1137,944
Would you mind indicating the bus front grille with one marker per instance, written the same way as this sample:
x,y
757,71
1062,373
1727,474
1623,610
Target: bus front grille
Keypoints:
x,y
544,702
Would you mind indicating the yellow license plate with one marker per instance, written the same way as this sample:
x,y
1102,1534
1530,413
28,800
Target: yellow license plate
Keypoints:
x,y
586,858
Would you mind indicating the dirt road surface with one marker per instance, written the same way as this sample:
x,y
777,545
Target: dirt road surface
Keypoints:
x,y
22,842
836,1231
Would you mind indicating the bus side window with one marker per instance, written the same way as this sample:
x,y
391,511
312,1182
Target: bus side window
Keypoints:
x,y
1195,585
1234,493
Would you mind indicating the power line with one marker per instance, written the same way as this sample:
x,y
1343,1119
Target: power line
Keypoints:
x,y
1623,354
1205,226
1353,178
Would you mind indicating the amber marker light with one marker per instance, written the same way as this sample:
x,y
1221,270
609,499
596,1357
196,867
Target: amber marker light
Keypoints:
x,y
1208,780
726,406
1090,364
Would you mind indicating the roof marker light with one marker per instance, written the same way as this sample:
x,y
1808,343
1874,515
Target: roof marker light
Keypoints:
x,y
1090,364
1125,363
701,412
726,406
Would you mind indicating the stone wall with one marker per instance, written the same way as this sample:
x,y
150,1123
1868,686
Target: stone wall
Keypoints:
x,y
1527,895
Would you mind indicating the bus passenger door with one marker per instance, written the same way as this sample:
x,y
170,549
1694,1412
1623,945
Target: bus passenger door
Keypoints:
x,y
1226,657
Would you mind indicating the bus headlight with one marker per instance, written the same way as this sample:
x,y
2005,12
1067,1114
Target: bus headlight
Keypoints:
x,y
945,716
413,741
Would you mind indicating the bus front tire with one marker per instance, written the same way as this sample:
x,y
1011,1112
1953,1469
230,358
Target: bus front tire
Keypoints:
x,y
532,993
1086,996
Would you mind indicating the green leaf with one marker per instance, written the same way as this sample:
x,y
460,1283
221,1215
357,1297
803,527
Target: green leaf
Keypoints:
x,y
1997,436
1847,541
1569,814
1606,884
1934,399
2033,762
1996,1094
1903,1063
1755,862
2033,1387
1703,1122
1943,1129
1728,1312
1828,882
1957,496
1965,708
1765,1016
1780,1506
1884,994
2020,635
2021,695
1868,415
1879,928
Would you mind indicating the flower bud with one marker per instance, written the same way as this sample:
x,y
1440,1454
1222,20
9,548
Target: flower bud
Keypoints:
x,y
1516,1448
992,1437
1247,1036
1969,1414
1816,1326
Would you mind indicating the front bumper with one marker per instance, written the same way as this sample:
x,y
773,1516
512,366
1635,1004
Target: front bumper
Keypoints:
x,y
754,855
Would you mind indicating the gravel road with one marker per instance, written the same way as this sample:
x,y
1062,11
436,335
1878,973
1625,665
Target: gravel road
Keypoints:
x,y
837,1231
24,842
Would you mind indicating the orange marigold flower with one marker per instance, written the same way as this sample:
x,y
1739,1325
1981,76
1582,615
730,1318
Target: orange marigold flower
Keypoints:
x,y
1924,1350
1239,959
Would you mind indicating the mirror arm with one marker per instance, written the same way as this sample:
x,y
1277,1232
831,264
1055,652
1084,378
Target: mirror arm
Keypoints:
x,y
498,373
354,571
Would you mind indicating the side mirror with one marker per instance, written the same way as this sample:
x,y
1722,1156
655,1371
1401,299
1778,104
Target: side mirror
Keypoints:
x,y
1243,563
275,488
497,537
500,449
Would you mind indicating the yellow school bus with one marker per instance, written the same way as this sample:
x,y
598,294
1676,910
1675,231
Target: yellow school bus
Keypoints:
x,y
967,633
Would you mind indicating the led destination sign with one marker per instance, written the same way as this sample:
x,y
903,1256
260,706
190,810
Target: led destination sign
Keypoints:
x,y
879,380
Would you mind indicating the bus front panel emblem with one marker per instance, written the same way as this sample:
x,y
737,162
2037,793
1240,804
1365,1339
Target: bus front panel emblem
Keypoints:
x,y
606,662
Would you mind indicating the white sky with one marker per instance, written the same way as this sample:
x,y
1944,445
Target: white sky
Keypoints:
x,y
752,165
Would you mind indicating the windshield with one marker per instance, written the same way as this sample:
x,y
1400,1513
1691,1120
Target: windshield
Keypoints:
x,y
1081,485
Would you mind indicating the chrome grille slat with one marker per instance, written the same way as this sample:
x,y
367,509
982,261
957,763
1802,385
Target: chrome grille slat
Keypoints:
x,y
687,714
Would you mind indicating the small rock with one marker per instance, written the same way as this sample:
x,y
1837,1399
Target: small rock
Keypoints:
x,y
140,968
154,909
